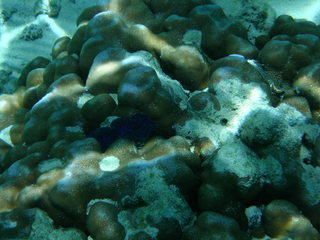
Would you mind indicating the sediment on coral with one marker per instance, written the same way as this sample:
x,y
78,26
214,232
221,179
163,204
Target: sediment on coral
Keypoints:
x,y
162,120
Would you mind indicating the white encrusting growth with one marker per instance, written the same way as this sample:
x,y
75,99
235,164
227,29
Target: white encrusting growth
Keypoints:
x,y
109,164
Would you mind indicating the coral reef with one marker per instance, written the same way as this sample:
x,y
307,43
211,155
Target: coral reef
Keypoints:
x,y
162,120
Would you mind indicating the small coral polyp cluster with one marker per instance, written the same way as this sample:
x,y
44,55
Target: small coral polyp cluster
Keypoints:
x,y
160,120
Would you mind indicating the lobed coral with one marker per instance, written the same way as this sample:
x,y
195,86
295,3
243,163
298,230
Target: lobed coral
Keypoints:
x,y
161,120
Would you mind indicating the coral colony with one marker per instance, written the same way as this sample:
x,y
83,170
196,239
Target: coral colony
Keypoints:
x,y
161,120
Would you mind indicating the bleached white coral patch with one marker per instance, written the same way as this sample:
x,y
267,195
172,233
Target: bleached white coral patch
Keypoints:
x,y
163,201
238,159
110,163
199,128
237,100
233,93
5,135
43,228
254,216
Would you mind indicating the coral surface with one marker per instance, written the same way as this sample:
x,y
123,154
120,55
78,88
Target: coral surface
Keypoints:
x,y
163,120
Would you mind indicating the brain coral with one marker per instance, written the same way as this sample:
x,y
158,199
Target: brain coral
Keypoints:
x,y
160,120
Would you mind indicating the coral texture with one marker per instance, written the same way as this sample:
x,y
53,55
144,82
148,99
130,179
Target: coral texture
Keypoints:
x,y
161,120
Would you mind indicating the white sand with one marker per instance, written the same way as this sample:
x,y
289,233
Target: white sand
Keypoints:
x,y
15,53
303,9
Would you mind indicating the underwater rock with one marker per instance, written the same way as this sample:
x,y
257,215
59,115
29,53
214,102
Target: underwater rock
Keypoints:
x,y
31,32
